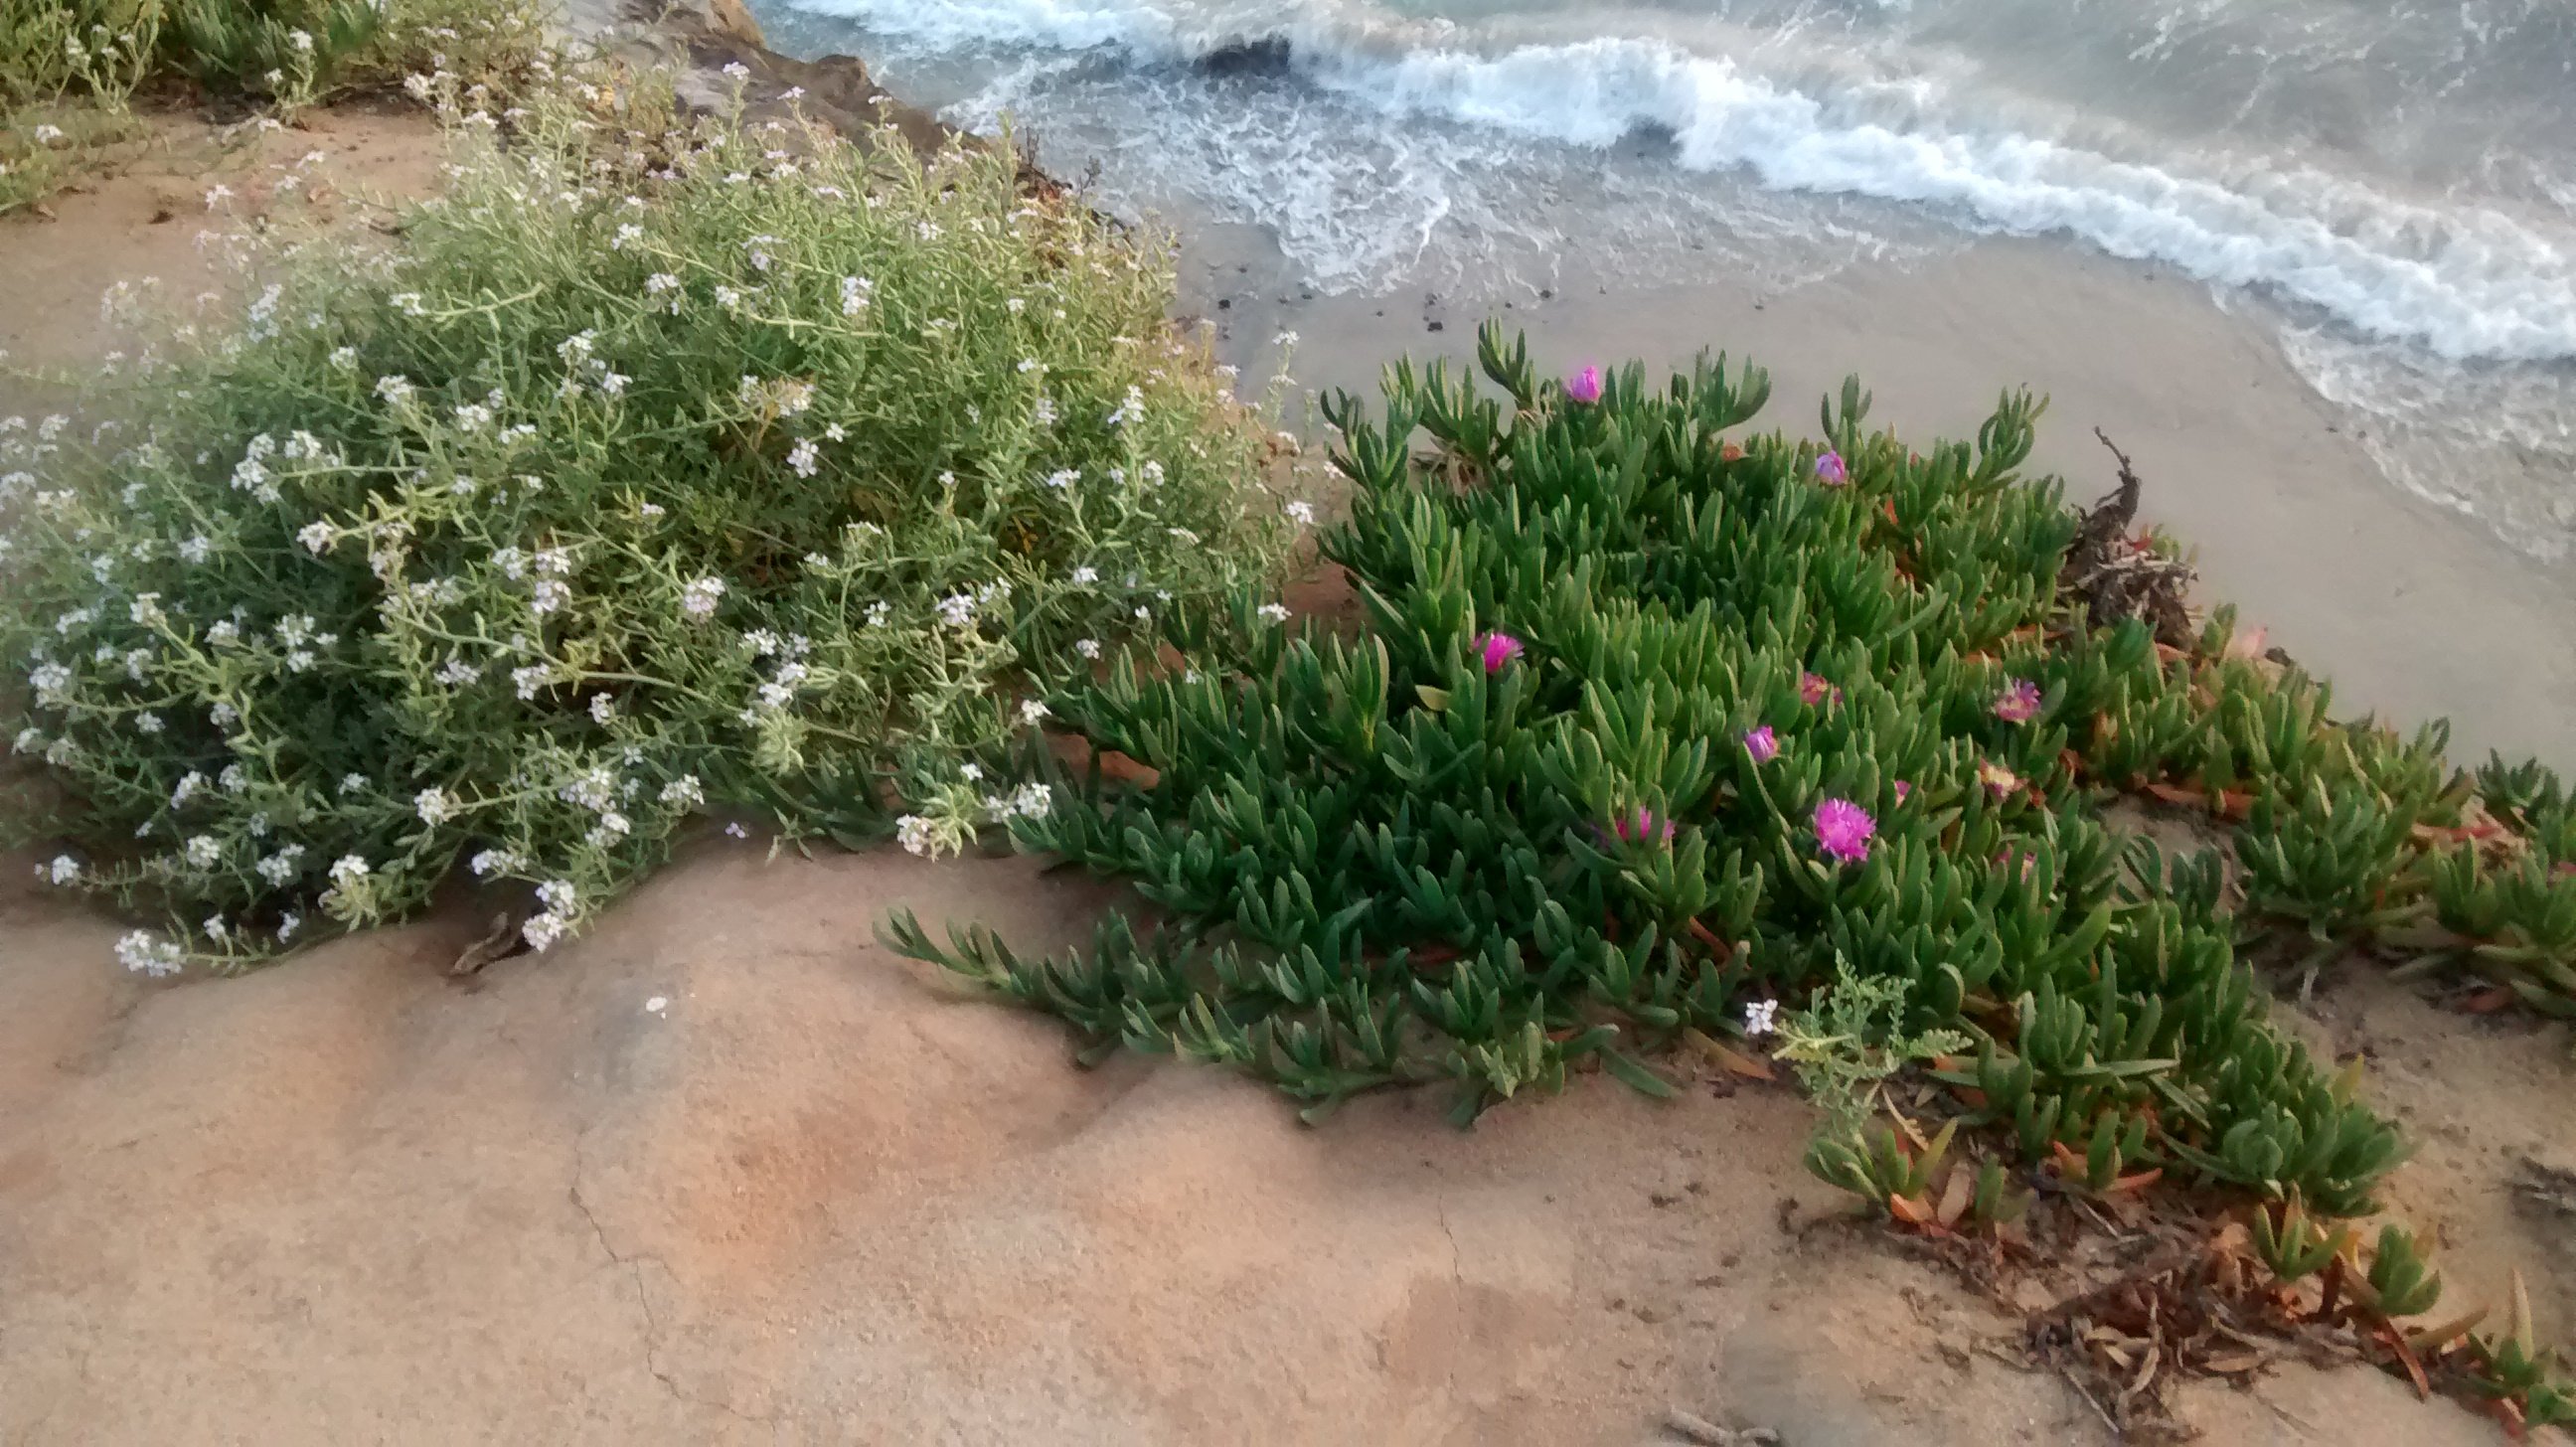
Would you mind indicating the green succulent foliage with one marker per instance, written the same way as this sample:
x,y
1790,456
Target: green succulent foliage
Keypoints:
x,y
1870,1162
2402,1282
2292,1245
1418,853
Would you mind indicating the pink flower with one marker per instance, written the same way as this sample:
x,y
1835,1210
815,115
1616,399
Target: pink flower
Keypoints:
x,y
1584,386
1813,690
1902,789
1642,826
1843,830
1499,649
2020,701
2027,859
1762,745
1830,470
1999,781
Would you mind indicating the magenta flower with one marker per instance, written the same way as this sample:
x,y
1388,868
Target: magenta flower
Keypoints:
x,y
1843,830
1762,744
1584,386
1499,649
1813,690
1999,781
1642,826
2019,703
1902,789
1830,470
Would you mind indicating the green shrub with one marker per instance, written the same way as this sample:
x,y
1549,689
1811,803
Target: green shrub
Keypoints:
x,y
1644,717
653,470
289,50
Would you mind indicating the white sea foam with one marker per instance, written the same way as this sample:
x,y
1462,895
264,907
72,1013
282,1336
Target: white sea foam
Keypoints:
x,y
2460,279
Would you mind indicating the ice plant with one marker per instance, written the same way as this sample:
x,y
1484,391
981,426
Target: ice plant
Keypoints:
x,y
2019,702
1830,470
1998,780
1584,386
1813,690
1843,830
1497,650
1643,826
1762,744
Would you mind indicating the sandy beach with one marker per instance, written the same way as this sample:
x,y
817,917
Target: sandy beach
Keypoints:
x,y
2413,611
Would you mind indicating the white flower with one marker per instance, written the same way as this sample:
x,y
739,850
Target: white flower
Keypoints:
x,y
736,831
1031,711
146,953
222,715
1275,612
348,869
613,383
395,390
542,930
698,599
1760,1017
603,707
280,867
352,784
1032,800
626,233
916,834
217,195
344,358
47,135
287,924
456,673
855,292
1088,647
684,791
736,70
529,679
1130,409
316,537
148,721
1064,478
1300,511
63,870
301,40
203,852
434,806
549,596
1284,339
189,784
957,609
804,458
1085,576
196,549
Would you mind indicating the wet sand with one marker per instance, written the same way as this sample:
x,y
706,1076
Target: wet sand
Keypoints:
x,y
2414,612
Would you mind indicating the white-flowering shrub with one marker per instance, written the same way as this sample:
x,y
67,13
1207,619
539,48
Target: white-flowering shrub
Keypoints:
x,y
652,471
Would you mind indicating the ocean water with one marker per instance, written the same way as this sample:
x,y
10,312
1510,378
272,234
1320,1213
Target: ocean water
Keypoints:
x,y
2390,185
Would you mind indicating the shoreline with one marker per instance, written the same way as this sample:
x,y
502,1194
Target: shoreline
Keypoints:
x,y
2411,610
